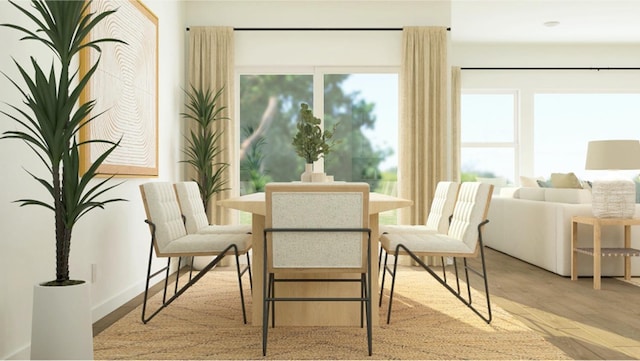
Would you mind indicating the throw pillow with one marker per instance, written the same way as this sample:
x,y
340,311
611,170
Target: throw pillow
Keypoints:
x,y
565,180
530,181
544,183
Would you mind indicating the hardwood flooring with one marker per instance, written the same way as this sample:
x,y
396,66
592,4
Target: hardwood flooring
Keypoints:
x,y
586,324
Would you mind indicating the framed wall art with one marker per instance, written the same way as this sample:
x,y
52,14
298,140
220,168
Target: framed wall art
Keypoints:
x,y
125,88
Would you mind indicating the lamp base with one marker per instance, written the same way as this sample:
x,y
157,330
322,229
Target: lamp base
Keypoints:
x,y
613,198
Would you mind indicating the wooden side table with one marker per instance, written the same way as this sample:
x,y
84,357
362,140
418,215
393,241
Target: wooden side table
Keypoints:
x,y
597,251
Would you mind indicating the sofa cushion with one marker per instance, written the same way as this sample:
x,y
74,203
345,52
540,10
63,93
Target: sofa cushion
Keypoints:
x,y
567,195
565,180
496,181
530,193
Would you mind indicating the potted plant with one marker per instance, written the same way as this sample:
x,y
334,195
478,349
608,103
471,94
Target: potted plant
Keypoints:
x,y
203,143
310,141
50,118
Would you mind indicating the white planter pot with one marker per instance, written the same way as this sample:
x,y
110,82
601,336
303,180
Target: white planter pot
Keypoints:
x,y
308,171
61,327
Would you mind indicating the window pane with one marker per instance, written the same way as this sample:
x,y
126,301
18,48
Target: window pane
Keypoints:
x,y
565,123
269,106
487,117
487,162
365,107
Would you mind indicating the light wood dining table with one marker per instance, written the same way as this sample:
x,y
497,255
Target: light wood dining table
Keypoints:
x,y
312,313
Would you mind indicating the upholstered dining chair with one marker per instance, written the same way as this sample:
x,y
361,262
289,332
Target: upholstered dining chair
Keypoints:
x,y
169,239
196,221
462,240
316,228
444,198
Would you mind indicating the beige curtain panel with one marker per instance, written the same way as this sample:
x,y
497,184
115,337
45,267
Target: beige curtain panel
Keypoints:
x,y
456,101
210,64
423,119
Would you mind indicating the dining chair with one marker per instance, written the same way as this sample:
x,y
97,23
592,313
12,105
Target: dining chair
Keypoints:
x,y
169,238
316,228
197,222
462,240
444,198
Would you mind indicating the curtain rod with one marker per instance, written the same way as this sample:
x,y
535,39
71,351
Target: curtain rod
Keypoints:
x,y
319,29
552,68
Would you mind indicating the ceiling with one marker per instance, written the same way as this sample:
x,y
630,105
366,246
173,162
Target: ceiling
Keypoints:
x,y
579,21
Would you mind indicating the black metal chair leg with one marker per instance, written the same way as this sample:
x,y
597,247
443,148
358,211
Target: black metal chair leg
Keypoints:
x,y
393,283
384,271
244,312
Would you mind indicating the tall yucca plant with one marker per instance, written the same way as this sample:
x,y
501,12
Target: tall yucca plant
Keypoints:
x,y
54,116
203,146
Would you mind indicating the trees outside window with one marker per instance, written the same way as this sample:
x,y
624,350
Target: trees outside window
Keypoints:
x,y
269,107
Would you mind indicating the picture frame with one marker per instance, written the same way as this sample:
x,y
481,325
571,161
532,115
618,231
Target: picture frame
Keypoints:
x,y
125,88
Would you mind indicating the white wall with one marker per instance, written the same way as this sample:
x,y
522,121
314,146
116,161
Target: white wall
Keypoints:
x,y
115,239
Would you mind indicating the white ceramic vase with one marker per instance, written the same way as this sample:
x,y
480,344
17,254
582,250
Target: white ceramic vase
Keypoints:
x,y
61,327
308,172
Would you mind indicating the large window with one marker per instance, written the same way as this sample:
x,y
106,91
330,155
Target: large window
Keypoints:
x,y
565,123
362,106
537,122
488,135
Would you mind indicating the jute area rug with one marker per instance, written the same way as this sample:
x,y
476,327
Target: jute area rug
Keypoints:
x,y
427,323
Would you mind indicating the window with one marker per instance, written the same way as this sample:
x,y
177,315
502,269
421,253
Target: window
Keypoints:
x,y
363,107
488,135
565,123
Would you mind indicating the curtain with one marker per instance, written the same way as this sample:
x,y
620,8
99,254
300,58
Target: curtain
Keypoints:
x,y
210,64
423,119
456,98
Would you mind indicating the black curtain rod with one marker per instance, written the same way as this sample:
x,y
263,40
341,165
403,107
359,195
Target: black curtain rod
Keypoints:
x,y
319,29
553,68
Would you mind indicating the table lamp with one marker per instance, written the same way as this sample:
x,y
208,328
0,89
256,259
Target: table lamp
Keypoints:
x,y
613,197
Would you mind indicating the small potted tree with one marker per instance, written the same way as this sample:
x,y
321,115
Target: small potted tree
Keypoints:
x,y
311,142
49,120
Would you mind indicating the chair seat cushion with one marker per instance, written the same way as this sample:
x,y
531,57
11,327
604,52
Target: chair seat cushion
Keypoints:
x,y
426,243
218,229
206,244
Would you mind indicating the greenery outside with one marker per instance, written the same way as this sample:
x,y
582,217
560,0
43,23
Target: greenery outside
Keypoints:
x,y
269,104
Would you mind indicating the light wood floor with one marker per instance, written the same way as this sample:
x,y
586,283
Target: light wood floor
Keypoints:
x,y
586,324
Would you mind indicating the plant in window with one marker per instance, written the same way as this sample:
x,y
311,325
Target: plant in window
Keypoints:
x,y
311,142
252,166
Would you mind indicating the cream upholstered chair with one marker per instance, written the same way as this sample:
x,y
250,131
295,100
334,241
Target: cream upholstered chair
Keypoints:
x,y
169,239
192,208
444,198
317,228
196,221
462,240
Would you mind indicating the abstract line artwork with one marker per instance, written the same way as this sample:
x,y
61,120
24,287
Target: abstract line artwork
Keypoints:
x,y
125,87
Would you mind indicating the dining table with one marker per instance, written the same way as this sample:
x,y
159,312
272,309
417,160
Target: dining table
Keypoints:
x,y
322,313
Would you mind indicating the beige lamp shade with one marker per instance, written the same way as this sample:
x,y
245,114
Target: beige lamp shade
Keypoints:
x,y
614,198
613,155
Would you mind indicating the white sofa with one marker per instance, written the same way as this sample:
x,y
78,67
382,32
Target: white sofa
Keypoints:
x,y
534,225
